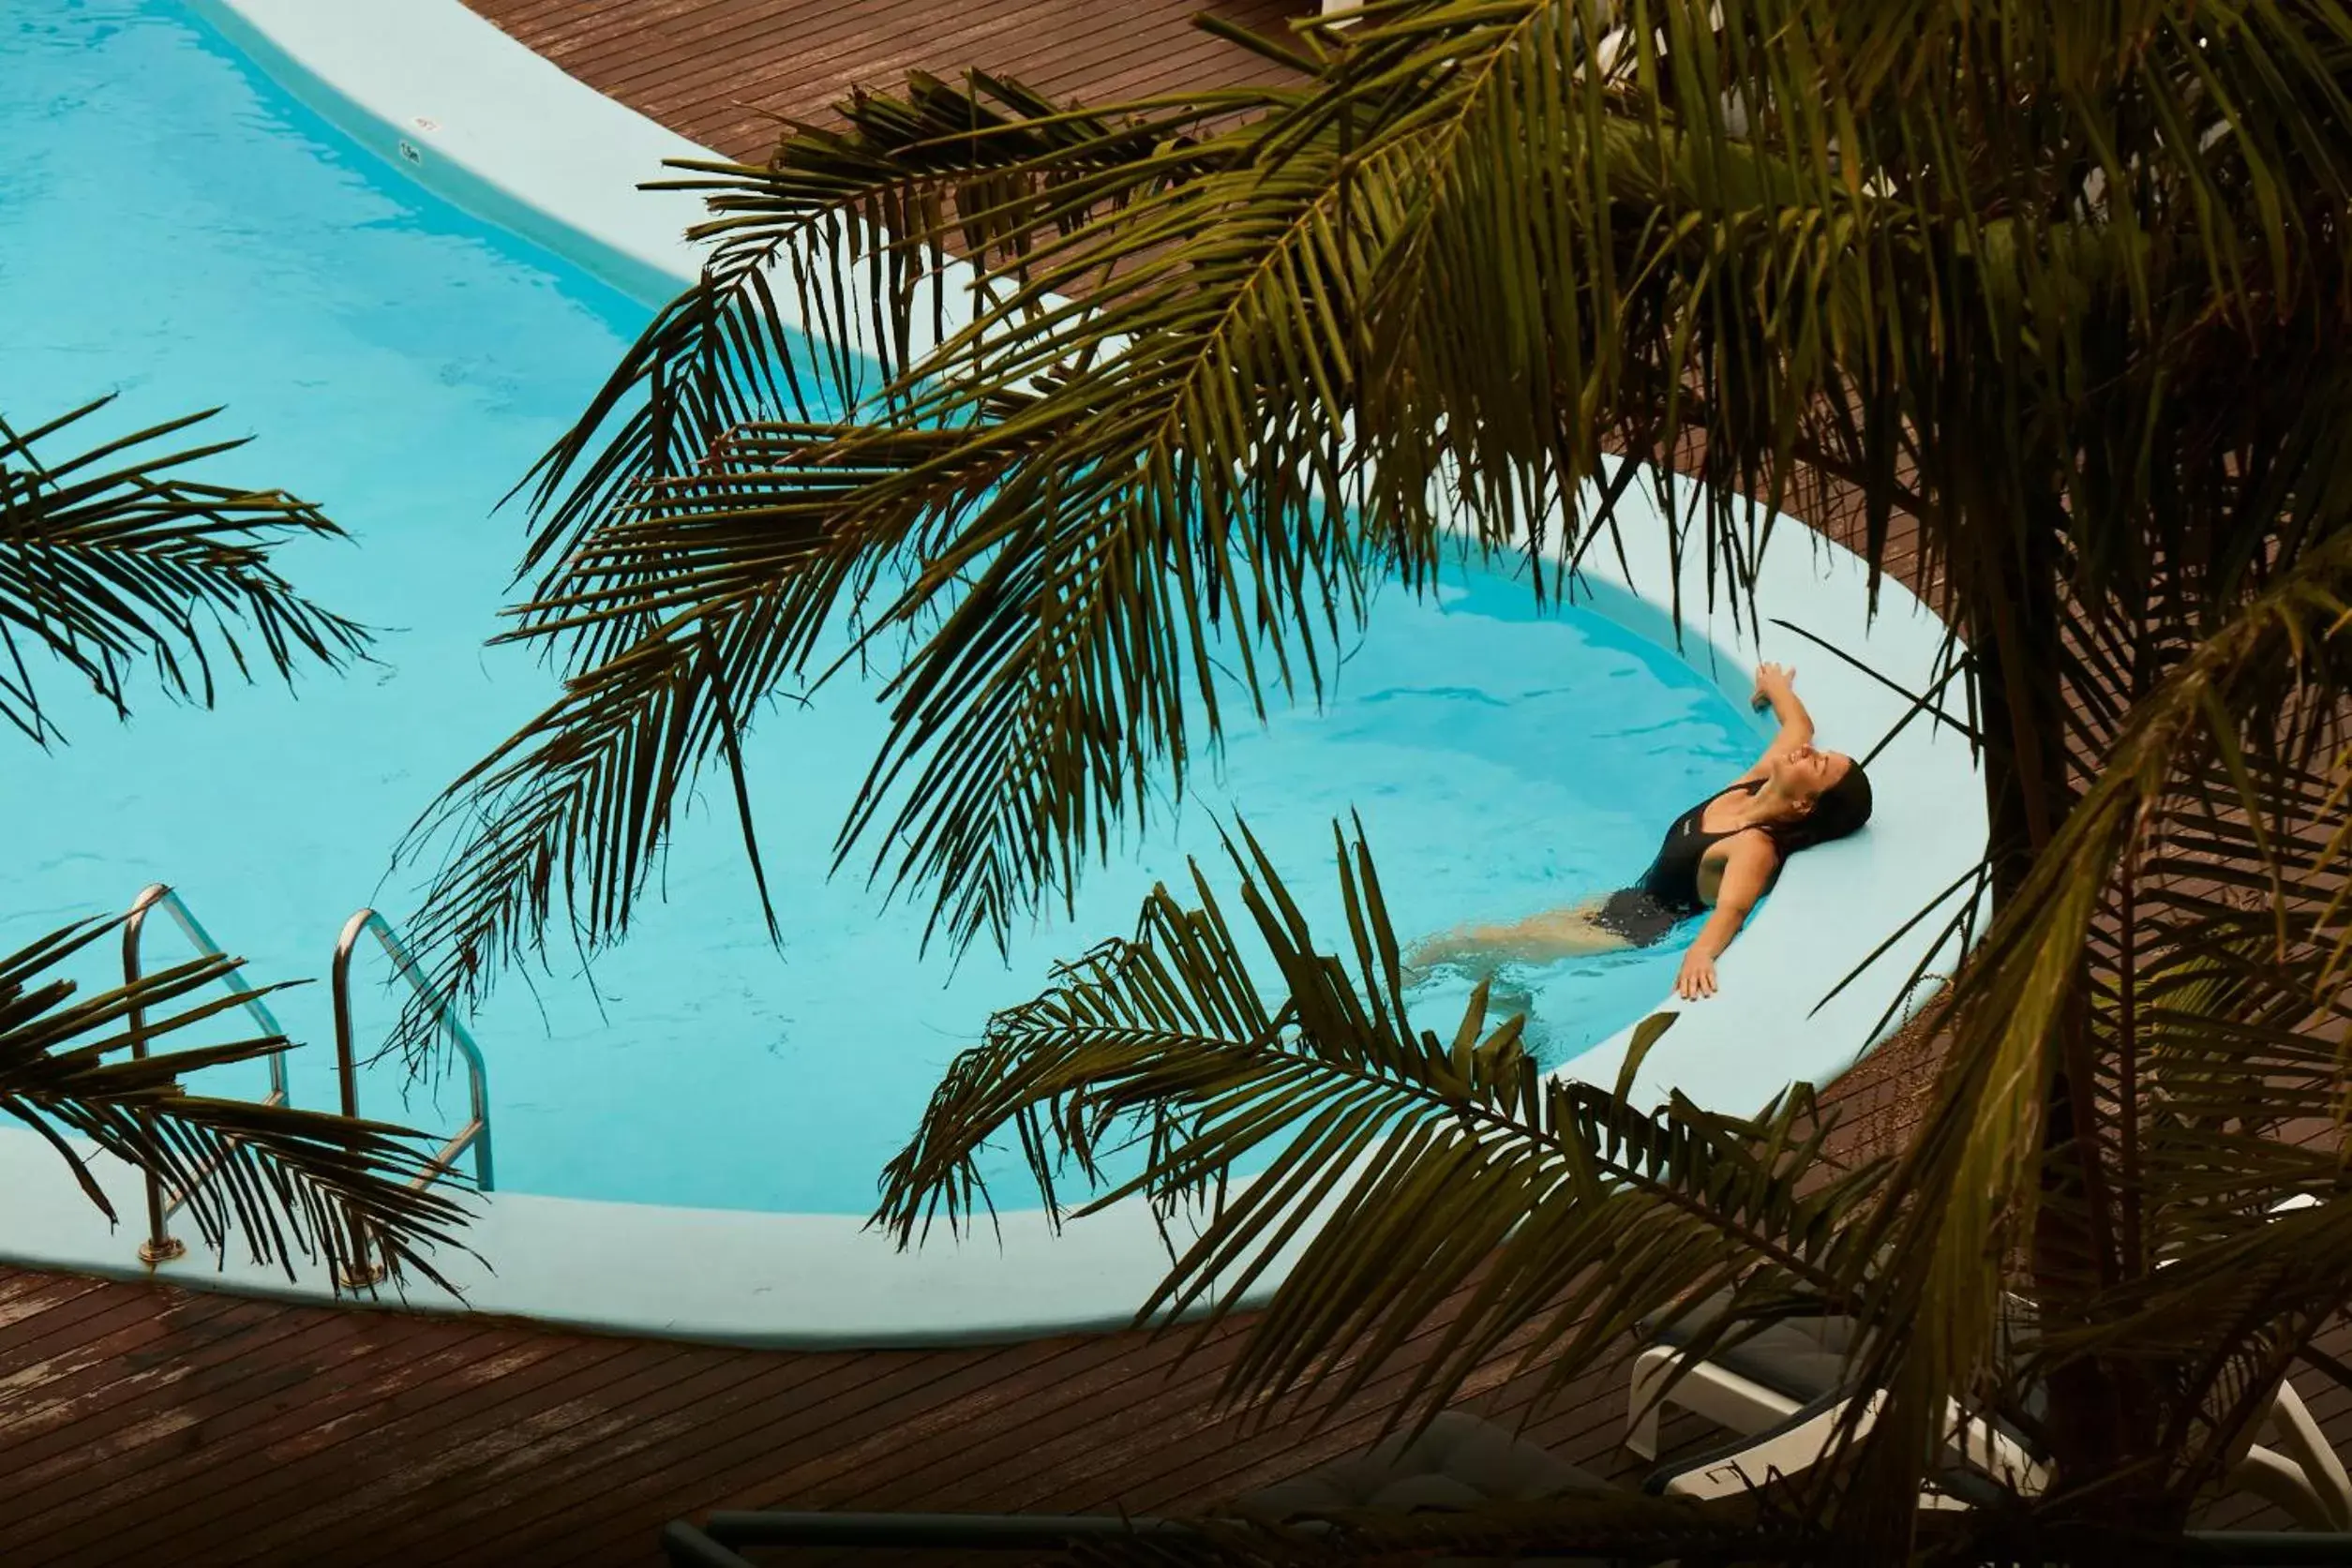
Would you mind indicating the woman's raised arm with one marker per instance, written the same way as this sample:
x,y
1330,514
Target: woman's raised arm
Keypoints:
x,y
1776,685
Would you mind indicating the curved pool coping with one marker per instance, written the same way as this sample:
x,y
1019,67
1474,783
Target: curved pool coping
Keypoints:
x,y
504,133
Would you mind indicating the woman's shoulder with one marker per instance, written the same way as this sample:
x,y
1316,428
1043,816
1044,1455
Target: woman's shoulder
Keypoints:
x,y
1750,852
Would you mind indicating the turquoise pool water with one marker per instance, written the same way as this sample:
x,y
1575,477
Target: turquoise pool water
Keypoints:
x,y
176,228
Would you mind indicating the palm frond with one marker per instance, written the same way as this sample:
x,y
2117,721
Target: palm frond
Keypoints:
x,y
1052,579
827,283
112,556
734,573
290,1184
2235,1023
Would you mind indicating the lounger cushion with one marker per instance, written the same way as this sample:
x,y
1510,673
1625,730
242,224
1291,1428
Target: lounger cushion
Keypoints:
x,y
1803,1358
1459,1462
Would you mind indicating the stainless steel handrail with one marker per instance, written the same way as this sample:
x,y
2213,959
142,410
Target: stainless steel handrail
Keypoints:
x,y
160,1244
475,1133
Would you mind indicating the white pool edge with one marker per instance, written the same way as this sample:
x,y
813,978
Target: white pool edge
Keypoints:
x,y
504,133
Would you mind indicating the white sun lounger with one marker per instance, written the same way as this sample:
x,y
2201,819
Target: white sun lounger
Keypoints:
x,y
1764,1382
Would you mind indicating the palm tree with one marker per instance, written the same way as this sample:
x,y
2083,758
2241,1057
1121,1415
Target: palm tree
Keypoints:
x,y
112,556
2061,285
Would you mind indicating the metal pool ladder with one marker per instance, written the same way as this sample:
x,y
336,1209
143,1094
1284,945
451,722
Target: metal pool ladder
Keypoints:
x,y
476,1134
160,1244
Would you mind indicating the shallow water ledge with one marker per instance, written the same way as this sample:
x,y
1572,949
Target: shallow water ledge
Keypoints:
x,y
499,130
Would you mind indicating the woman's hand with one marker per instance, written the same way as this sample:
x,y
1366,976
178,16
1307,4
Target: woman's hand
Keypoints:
x,y
1698,977
1775,684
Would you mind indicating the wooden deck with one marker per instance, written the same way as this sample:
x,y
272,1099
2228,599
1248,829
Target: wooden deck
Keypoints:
x,y
153,1425
724,71
150,1423
144,1423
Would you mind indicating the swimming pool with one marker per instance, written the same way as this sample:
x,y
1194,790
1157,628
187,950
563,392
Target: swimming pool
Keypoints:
x,y
402,362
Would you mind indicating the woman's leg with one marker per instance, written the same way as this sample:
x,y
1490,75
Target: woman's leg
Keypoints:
x,y
1555,934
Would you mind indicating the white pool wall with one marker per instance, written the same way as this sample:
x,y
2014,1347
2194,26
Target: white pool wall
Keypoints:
x,y
499,130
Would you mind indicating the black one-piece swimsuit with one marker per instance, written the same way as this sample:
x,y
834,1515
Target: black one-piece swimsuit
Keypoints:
x,y
1667,892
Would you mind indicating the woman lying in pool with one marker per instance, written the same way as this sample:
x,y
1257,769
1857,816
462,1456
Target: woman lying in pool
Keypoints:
x,y
1720,855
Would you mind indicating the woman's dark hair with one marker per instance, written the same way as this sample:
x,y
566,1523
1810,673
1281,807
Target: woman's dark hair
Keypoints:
x,y
1837,810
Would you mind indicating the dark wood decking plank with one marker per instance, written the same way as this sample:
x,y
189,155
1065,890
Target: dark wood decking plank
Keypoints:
x,y
33,1398
112,1432
762,1399
699,41
807,1402
560,31
206,1424
707,69
1033,1433
800,87
459,1419
28,1285
341,1438
1092,1439
1247,1461
754,1443
566,1463
34,1305
834,1469
176,1351
840,43
820,53
55,1352
1115,67
1219,1454
1495,1390
1139,71
836,52
767,1393
344,1369
577,1452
